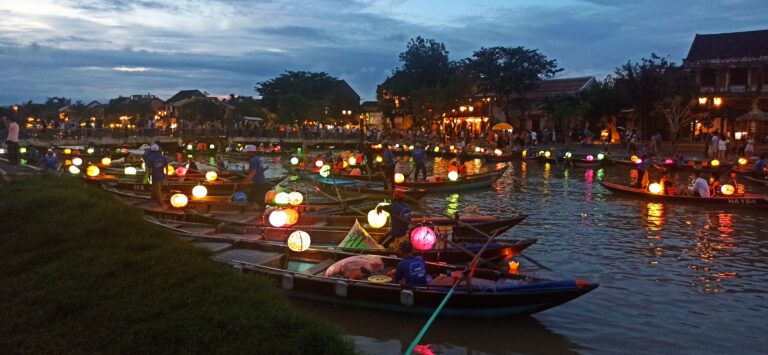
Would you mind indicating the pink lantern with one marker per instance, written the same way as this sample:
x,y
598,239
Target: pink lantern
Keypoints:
x,y
590,158
669,162
423,238
638,161
181,171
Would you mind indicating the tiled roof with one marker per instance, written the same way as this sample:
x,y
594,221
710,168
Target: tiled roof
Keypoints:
x,y
185,94
724,46
567,86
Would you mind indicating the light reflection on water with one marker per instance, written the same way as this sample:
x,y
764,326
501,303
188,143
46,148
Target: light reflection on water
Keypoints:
x,y
674,278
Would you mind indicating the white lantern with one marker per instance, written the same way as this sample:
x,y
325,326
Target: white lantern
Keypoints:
x,y
278,218
282,198
179,200
74,170
325,170
453,176
294,161
319,163
299,241
655,188
377,220
199,191
77,161
352,160
399,178
106,161
295,198
211,175
129,170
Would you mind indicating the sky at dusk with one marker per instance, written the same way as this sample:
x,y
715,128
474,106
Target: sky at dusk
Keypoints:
x,y
88,49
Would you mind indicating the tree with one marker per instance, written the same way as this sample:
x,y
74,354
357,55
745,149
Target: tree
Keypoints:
x,y
298,96
125,106
677,112
510,73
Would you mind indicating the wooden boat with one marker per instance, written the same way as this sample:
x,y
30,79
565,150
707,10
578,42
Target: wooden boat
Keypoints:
x,y
505,156
333,185
747,200
214,187
490,293
582,162
692,165
751,178
463,183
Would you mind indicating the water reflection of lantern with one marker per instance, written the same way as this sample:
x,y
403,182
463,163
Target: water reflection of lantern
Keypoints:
x,y
181,171
295,198
282,198
299,241
319,163
590,158
399,178
727,189
294,161
211,175
129,170
600,156
377,220
715,162
179,200
92,171
742,161
325,170
278,218
655,188
497,152
74,170
293,216
423,238
453,176
77,161
199,191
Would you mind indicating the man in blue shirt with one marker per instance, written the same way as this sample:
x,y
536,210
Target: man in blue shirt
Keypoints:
x,y
412,270
157,165
400,218
50,163
418,161
389,165
759,166
256,176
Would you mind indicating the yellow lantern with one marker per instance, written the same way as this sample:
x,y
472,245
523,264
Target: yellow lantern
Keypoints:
x,y
294,161
77,161
325,171
295,198
179,200
399,178
92,171
106,161
742,161
379,159
282,198
199,191
74,170
352,161
727,189
90,150
715,162
299,241
525,153
67,151
634,158
211,175
319,163
377,220
278,218
437,149
547,154
129,170
293,216
169,170
655,188
453,176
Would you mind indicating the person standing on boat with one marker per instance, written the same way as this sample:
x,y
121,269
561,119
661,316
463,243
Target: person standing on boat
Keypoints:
x,y
400,218
157,164
389,165
256,171
700,186
12,141
418,156
412,270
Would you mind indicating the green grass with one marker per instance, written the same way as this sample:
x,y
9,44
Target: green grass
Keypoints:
x,y
82,273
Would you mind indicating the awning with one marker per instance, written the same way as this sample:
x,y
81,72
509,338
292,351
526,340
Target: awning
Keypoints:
x,y
756,115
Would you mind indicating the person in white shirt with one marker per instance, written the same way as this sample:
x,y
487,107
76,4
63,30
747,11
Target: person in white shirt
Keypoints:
x,y
700,186
722,148
12,142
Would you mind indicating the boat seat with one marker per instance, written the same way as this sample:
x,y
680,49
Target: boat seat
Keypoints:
x,y
249,256
319,267
320,224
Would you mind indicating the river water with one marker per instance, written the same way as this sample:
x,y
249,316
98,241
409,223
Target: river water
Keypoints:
x,y
673,278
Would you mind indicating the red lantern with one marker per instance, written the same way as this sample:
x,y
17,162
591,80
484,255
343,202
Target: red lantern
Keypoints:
x,y
423,238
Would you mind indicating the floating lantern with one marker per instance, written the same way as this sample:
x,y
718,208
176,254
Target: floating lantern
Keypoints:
x,y
319,163
295,198
74,170
379,159
281,198
655,188
513,266
497,152
278,218
129,170
199,191
181,171
293,216
377,220
727,189
399,178
294,161
67,151
669,162
547,154
590,158
211,175
179,200
453,175
90,150
423,238
437,149
715,162
92,171
77,161
452,147
600,156
352,161
568,155
106,161
325,170
742,161
299,241
633,158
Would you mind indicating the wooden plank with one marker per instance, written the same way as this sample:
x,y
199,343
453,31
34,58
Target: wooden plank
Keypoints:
x,y
247,256
213,246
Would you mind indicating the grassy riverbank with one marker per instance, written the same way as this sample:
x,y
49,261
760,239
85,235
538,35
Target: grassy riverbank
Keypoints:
x,y
81,272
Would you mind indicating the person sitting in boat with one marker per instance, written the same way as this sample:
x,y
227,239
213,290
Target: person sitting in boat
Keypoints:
x,y
458,166
412,270
759,167
667,186
400,218
714,185
700,186
256,177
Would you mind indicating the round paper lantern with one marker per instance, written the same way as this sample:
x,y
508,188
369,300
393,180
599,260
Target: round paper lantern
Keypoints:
x,y
77,161
90,150
278,218
423,238
129,170
669,162
294,161
299,241
106,161
124,151
325,170
742,161
568,155
179,200
452,147
399,178
23,150
319,163
355,172
590,158
497,152
524,153
199,191
411,147
377,220
293,216
379,159
638,161
211,175
352,161
437,149
181,171
655,188
477,149
269,197
189,146
92,171
67,151
212,146
295,198
169,170
547,154
600,156
715,162
453,176
344,164
633,158
281,198
727,189
74,170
